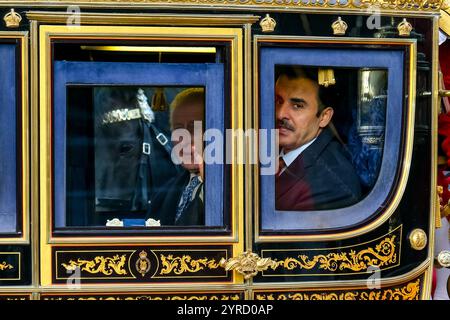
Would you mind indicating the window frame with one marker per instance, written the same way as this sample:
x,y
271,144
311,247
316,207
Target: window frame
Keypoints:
x,y
22,193
372,220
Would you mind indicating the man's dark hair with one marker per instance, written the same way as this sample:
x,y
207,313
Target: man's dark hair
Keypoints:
x,y
326,96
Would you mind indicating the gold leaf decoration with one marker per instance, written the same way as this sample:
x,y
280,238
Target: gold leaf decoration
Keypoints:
x,y
100,264
410,291
384,254
5,266
185,263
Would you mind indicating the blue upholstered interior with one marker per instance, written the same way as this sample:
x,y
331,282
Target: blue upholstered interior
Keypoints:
x,y
210,76
367,161
8,139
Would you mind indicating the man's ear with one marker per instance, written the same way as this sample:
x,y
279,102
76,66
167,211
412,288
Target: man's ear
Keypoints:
x,y
325,117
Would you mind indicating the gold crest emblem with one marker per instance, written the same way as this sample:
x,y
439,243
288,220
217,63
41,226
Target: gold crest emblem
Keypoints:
x,y
339,27
143,264
268,24
12,19
404,28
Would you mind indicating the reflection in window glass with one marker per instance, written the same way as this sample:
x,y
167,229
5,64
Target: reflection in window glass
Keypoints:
x,y
122,168
331,125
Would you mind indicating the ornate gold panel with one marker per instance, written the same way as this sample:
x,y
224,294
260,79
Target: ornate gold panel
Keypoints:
x,y
225,296
383,253
140,264
407,291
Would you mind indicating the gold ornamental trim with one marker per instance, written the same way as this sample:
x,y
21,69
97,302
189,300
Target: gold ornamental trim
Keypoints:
x,y
185,264
383,253
405,5
409,291
248,264
223,297
100,264
5,266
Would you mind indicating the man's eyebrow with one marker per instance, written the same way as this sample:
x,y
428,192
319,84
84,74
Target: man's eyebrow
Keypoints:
x,y
298,100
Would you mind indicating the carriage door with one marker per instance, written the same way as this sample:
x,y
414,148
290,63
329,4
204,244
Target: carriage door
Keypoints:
x,y
342,213
125,195
15,246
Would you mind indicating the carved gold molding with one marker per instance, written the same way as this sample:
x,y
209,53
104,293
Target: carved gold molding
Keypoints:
x,y
409,291
100,264
5,266
408,5
179,265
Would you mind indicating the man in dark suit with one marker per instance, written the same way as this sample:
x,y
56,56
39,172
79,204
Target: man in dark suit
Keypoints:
x,y
181,202
315,172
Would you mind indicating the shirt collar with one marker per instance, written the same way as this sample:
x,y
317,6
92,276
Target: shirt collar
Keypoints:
x,y
193,175
292,155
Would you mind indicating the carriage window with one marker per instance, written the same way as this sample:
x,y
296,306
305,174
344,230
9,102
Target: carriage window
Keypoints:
x,y
134,156
340,117
331,126
9,219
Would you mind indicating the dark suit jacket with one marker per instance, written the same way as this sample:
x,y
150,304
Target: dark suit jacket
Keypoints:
x,y
321,177
164,204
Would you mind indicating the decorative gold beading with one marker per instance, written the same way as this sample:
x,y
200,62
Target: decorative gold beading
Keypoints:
x,y
418,239
268,24
5,266
409,5
185,263
339,27
409,291
404,28
12,19
248,264
100,264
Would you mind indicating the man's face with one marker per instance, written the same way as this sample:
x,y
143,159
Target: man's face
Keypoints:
x,y
183,117
296,102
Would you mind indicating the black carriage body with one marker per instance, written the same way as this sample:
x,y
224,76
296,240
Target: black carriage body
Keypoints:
x,y
56,233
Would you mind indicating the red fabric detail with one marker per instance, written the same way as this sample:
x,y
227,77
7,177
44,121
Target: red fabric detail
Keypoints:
x,y
444,59
444,130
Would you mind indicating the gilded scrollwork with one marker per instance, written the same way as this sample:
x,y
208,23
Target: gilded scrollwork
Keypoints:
x,y
185,263
5,266
409,291
383,254
100,264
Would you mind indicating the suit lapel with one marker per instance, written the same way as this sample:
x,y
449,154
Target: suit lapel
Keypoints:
x,y
297,169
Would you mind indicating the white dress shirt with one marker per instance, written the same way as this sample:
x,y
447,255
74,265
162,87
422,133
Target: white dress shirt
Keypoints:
x,y
292,155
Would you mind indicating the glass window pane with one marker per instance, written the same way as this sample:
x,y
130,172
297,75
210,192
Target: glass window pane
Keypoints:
x,y
331,125
131,156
